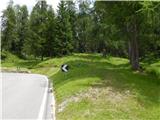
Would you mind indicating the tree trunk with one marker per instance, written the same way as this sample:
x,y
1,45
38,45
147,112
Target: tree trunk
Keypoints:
x,y
104,52
42,57
129,51
134,53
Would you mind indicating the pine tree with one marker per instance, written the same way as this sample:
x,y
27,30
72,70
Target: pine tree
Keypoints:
x,y
8,29
127,22
84,26
73,21
38,22
22,28
50,34
63,42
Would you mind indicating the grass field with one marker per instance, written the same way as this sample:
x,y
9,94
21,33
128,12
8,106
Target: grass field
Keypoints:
x,y
97,88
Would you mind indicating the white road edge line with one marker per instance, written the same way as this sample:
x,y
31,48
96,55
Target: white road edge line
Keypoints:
x,y
1,94
43,105
54,105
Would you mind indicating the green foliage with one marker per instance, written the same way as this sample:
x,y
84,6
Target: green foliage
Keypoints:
x,y
42,31
8,28
150,30
38,28
71,10
84,27
125,29
133,21
50,34
8,59
64,34
22,28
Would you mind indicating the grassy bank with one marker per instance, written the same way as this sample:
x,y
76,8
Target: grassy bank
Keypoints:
x,y
97,88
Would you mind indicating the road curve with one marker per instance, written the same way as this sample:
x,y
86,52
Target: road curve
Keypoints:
x,y
25,96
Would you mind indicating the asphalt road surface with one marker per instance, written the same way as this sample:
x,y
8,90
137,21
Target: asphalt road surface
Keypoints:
x,y
26,96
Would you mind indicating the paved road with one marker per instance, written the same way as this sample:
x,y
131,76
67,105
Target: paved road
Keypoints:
x,y
25,96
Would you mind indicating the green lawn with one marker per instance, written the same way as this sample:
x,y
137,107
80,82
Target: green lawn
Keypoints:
x,y
97,88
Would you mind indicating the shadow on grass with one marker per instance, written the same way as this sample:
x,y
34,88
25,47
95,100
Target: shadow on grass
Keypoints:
x,y
90,56
27,64
151,60
119,77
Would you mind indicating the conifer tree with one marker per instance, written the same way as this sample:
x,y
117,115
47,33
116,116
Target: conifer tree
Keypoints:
x,y
63,42
38,26
8,28
22,28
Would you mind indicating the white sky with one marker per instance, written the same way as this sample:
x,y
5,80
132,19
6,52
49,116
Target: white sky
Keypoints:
x,y
29,3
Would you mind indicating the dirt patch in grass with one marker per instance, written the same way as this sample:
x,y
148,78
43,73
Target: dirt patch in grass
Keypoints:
x,y
95,94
